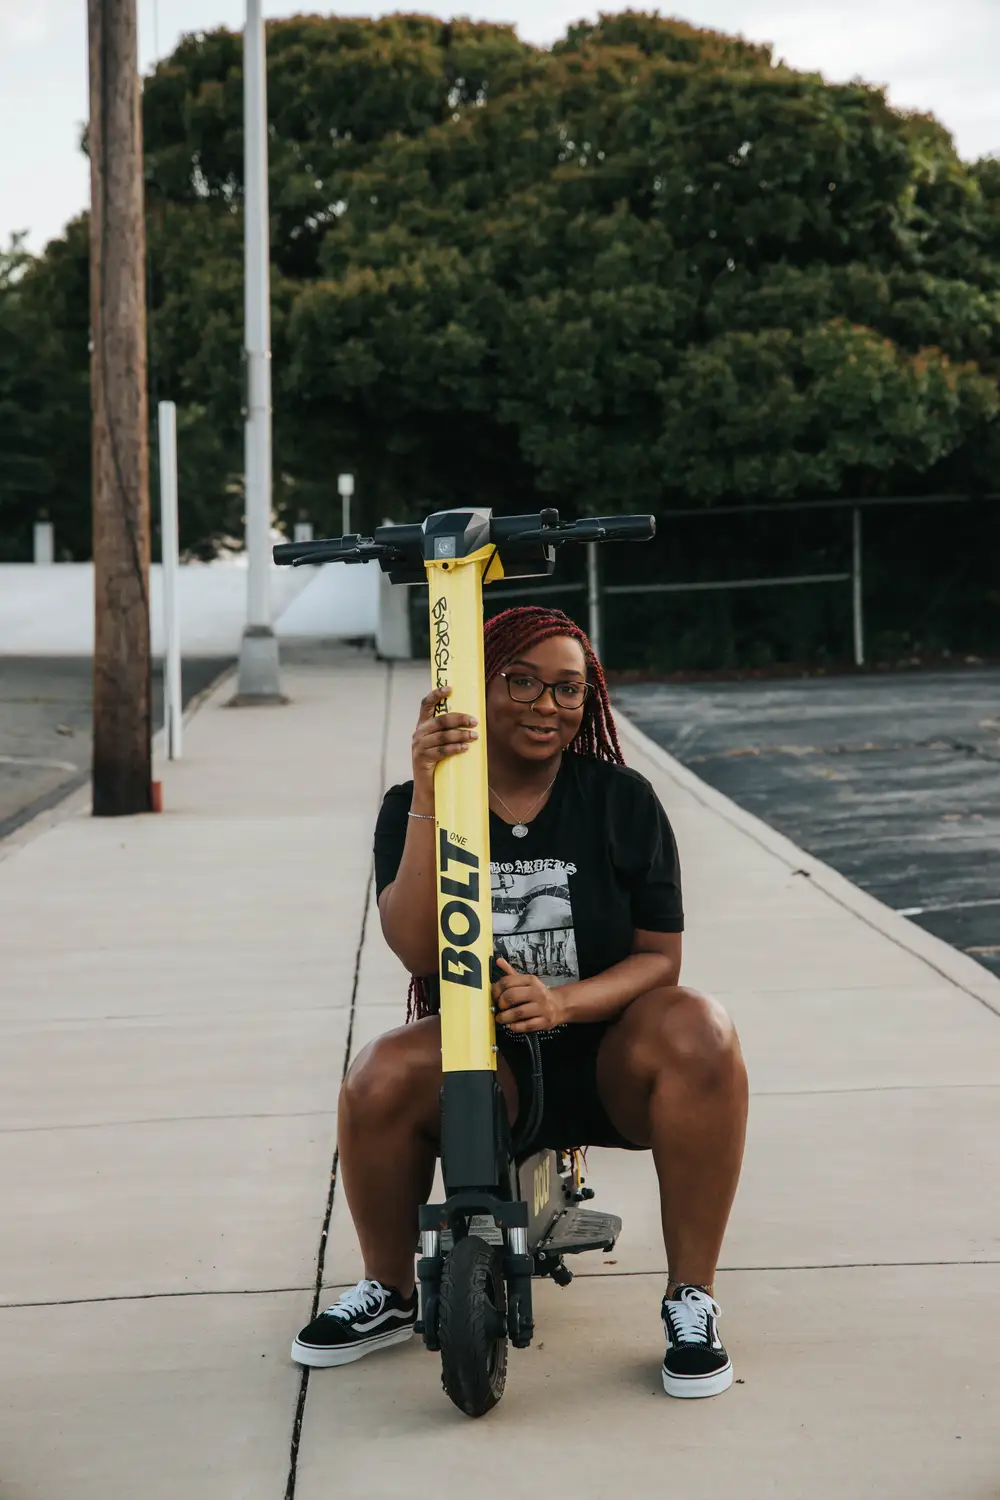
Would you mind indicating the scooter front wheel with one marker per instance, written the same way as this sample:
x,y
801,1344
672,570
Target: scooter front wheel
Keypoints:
x,y
473,1326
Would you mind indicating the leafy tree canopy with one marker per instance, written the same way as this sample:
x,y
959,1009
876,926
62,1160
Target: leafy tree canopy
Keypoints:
x,y
645,268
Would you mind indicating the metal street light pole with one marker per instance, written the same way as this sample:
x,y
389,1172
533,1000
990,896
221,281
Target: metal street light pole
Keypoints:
x,y
259,677
345,484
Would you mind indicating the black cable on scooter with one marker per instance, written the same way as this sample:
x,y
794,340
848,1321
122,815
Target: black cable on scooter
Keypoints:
x,y
533,1117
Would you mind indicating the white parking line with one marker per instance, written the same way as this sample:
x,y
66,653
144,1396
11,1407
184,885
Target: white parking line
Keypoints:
x,y
918,911
43,765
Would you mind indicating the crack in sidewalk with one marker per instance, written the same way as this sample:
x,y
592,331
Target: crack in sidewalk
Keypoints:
x,y
300,1409
274,1291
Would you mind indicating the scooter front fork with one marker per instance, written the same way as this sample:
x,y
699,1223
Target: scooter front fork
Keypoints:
x,y
429,1268
518,1266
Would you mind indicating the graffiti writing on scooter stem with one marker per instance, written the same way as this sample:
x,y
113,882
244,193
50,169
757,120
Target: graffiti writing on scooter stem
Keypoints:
x,y
441,646
458,917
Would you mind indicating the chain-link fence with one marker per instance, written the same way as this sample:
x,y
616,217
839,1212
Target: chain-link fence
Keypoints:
x,y
829,582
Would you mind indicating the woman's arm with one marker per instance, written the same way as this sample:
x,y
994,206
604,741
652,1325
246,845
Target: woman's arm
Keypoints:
x,y
408,906
654,963
525,1003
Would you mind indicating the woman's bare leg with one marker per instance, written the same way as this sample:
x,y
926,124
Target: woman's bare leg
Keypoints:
x,y
388,1133
671,1076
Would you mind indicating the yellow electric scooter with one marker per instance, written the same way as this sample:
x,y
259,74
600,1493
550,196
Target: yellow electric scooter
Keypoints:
x,y
509,1214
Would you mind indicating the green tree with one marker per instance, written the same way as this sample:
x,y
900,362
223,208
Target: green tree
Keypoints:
x,y
44,401
645,268
667,271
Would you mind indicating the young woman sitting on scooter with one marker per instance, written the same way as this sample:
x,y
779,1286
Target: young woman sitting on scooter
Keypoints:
x,y
587,929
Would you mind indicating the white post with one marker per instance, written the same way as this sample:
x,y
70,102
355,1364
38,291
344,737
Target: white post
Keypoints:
x,y
259,675
345,484
392,632
45,545
594,598
303,531
859,628
170,552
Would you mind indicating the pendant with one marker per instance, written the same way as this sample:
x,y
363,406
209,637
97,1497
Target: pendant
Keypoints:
x,y
520,830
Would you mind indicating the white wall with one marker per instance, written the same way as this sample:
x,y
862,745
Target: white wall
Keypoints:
x,y
341,601
49,611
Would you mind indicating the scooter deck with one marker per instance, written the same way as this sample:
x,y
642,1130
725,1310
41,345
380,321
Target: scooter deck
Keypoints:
x,y
577,1230
573,1232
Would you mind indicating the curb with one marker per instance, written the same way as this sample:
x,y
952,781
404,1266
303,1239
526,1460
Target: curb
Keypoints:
x,y
73,798
193,705
65,801
948,962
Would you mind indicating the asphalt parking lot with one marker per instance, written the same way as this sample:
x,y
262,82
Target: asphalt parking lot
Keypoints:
x,y
45,728
892,779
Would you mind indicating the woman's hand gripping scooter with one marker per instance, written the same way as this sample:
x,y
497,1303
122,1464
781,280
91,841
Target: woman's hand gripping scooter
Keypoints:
x,y
507,1215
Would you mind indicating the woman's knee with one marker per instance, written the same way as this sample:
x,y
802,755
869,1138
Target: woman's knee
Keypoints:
x,y
396,1077
685,1033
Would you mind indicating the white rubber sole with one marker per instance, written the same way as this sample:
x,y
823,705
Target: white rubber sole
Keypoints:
x,y
692,1386
327,1359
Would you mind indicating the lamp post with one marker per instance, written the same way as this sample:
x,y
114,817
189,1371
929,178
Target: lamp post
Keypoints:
x,y
259,677
345,484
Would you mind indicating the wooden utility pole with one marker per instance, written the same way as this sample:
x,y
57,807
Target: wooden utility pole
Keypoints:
x,y
122,773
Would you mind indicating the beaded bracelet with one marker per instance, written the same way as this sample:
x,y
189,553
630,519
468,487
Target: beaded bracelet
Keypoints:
x,y
426,817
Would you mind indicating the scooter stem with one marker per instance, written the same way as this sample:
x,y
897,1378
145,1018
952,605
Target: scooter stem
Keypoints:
x,y
461,803
471,1146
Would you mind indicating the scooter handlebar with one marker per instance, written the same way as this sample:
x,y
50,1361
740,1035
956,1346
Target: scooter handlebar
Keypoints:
x,y
614,529
330,549
546,527
393,546
298,552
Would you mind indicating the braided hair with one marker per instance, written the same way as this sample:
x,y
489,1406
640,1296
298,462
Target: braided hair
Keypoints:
x,y
516,630
505,637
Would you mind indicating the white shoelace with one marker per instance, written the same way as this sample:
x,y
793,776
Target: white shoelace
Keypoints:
x,y
689,1315
366,1297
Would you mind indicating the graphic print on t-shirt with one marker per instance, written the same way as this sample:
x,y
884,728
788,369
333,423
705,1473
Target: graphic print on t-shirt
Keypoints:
x,y
533,918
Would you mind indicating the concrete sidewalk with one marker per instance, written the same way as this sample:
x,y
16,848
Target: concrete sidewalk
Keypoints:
x,y
180,994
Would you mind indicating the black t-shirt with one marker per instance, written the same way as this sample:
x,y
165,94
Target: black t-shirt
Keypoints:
x,y
599,861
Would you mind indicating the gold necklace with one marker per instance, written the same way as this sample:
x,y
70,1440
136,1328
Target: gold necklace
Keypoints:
x,y
520,828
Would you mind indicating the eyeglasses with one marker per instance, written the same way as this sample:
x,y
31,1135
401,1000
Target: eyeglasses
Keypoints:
x,y
524,688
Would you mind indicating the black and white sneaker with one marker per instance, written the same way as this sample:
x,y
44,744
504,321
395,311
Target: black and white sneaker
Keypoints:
x,y
369,1316
696,1362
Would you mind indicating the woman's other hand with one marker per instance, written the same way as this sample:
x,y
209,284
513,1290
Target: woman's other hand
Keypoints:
x,y
524,1003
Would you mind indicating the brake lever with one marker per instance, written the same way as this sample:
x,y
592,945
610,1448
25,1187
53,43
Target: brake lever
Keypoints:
x,y
568,532
373,552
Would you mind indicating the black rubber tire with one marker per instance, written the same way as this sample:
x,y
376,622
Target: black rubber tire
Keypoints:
x,y
473,1326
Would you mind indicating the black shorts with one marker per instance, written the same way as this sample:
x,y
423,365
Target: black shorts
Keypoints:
x,y
573,1114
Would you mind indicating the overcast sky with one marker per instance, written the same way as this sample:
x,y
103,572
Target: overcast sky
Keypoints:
x,y
932,56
